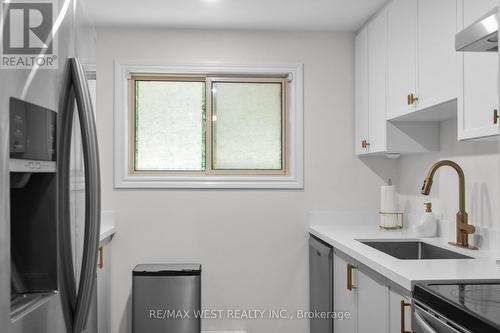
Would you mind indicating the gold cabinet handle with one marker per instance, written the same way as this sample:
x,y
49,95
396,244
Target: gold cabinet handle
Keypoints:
x,y
365,144
495,116
412,99
404,304
100,263
350,285
408,99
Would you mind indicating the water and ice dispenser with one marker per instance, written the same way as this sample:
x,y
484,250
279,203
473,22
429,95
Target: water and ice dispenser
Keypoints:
x,y
33,202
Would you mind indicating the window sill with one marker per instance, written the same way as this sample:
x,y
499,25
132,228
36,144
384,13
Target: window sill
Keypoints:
x,y
210,182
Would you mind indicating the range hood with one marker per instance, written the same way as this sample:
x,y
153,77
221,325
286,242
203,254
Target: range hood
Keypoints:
x,y
481,36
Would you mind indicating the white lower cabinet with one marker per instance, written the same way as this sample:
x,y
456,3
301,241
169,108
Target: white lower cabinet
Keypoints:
x,y
375,303
399,312
372,303
344,297
104,288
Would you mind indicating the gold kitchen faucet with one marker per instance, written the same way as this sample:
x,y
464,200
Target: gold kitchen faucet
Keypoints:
x,y
463,226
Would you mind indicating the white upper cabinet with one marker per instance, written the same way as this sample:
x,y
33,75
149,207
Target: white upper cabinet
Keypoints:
x,y
437,58
401,56
409,77
478,84
385,75
422,62
361,91
377,103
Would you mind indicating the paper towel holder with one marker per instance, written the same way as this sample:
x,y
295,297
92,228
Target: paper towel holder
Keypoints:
x,y
398,219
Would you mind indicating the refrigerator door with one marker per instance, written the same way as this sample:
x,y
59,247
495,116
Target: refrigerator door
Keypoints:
x,y
41,87
72,307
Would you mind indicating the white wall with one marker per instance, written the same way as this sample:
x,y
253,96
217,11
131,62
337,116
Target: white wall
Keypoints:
x,y
480,162
252,243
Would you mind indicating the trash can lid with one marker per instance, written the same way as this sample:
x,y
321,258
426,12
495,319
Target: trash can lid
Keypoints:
x,y
167,270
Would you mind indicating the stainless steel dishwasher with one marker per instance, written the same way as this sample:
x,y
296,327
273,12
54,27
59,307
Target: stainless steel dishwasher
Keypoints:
x,y
320,283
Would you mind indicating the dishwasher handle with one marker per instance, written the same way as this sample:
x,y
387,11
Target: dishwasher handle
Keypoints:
x,y
432,322
421,323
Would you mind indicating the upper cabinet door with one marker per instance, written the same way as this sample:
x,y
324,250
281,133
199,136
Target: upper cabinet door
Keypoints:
x,y
361,91
401,56
478,93
377,59
437,59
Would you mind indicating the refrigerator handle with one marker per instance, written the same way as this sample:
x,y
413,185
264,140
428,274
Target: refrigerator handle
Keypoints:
x,y
76,304
67,285
92,195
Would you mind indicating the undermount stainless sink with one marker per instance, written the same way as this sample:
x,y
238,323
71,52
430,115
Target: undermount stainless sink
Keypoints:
x,y
413,250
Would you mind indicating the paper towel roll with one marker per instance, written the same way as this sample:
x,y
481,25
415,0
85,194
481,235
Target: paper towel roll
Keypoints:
x,y
388,204
388,199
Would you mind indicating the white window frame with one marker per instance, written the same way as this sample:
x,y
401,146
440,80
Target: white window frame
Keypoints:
x,y
123,178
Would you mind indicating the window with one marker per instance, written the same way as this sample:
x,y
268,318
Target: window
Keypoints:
x,y
210,125
248,127
229,129
168,118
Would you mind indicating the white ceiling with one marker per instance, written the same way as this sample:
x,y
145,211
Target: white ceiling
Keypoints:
x,y
329,15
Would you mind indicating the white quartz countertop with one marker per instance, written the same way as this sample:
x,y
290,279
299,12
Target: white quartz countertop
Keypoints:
x,y
107,226
106,232
344,233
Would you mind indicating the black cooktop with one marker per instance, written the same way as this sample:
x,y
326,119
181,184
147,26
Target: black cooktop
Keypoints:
x,y
475,306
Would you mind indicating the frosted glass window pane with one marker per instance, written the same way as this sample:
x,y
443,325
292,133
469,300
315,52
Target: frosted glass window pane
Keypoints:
x,y
169,125
247,120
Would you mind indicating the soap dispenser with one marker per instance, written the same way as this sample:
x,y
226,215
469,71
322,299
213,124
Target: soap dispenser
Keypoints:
x,y
427,226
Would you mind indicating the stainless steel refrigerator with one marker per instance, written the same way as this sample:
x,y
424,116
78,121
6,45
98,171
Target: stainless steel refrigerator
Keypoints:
x,y
49,174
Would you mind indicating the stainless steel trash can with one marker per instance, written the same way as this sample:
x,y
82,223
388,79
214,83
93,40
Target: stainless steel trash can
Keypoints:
x,y
166,298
